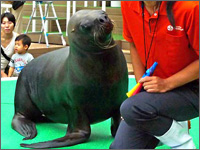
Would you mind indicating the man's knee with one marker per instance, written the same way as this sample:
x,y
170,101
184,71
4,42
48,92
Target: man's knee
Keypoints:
x,y
127,111
134,110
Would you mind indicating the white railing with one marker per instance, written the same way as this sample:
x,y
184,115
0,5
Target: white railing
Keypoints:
x,y
74,7
34,15
68,10
68,14
7,7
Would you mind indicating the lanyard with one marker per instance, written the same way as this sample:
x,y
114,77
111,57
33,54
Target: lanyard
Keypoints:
x,y
147,57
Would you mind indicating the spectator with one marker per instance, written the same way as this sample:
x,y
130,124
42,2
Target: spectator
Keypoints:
x,y
17,11
7,41
22,57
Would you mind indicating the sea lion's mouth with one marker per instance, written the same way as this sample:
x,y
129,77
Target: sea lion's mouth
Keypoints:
x,y
108,27
102,35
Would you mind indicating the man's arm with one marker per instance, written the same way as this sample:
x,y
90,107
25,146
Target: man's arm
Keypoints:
x,y
186,75
138,66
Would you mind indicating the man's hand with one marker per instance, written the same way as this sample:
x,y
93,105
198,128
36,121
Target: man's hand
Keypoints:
x,y
155,84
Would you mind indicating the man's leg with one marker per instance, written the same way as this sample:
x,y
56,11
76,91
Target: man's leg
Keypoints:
x,y
131,138
154,113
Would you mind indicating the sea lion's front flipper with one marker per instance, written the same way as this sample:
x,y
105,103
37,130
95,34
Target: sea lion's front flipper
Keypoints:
x,y
68,140
115,120
24,126
76,133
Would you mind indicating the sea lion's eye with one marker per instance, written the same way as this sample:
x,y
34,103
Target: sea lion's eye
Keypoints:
x,y
86,25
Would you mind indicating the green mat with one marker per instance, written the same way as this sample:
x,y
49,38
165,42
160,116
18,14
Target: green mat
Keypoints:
x,y
100,136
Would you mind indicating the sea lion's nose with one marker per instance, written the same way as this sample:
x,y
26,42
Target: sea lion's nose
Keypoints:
x,y
104,19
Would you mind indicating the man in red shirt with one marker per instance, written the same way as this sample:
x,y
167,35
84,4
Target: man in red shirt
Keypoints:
x,y
168,33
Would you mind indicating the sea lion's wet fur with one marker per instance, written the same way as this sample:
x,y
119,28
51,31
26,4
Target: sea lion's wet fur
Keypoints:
x,y
80,85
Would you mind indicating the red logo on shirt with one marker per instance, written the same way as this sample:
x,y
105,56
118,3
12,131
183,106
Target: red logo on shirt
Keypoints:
x,y
19,59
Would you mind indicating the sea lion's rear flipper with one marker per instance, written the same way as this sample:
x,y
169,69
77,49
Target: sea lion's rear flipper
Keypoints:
x,y
24,126
76,133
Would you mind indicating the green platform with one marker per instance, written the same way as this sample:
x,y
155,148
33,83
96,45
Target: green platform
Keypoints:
x,y
100,137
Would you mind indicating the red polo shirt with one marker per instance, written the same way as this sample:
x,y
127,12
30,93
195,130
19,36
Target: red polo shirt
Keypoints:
x,y
173,49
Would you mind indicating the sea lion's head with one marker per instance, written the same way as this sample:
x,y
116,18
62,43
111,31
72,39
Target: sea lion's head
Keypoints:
x,y
90,28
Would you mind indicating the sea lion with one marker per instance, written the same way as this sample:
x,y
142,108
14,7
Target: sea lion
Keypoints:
x,y
80,85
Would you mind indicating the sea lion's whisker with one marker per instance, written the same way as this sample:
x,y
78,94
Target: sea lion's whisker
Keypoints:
x,y
101,45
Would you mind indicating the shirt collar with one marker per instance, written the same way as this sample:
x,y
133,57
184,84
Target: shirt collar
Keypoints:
x,y
137,6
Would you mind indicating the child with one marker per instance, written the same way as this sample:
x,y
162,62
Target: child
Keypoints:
x,y
21,58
